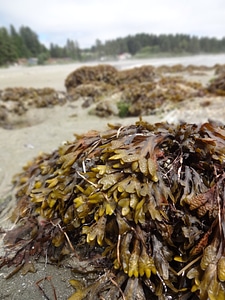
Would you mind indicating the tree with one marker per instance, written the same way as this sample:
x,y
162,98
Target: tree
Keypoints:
x,y
17,42
56,51
30,40
98,48
42,57
72,49
133,45
7,49
164,43
194,46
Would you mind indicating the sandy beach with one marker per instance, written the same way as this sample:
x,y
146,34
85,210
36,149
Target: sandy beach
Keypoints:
x,y
47,129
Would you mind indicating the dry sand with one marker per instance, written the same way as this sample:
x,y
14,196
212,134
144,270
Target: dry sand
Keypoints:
x,y
47,129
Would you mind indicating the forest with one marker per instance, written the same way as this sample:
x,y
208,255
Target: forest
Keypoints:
x,y
25,44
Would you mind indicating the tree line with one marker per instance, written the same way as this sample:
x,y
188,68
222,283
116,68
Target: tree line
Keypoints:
x,y
22,44
25,43
164,43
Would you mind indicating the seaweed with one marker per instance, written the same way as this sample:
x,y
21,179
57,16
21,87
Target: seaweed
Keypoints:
x,y
87,74
217,86
140,207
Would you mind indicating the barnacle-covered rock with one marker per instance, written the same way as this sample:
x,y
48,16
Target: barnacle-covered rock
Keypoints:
x,y
145,201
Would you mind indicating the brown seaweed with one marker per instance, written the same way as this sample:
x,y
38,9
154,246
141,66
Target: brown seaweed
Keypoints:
x,y
217,86
145,201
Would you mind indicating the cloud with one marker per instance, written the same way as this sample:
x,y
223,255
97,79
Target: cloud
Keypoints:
x,y
87,20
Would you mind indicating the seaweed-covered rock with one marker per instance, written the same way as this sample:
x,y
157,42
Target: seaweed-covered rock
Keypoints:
x,y
91,92
137,75
31,97
15,102
144,90
108,74
142,205
145,99
178,68
219,69
105,109
88,74
217,86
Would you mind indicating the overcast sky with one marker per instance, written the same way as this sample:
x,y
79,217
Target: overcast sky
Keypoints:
x,y
88,20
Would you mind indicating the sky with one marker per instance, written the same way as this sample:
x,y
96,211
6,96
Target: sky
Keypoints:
x,y
84,21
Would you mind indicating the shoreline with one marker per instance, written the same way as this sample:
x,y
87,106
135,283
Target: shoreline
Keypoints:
x,y
55,75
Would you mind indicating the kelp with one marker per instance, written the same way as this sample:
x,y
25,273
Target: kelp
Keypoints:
x,y
140,207
217,85
138,91
179,68
16,102
147,98
88,74
137,75
31,97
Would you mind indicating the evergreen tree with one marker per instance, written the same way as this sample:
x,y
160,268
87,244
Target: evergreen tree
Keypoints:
x,y
14,39
72,49
7,49
56,51
25,44
31,44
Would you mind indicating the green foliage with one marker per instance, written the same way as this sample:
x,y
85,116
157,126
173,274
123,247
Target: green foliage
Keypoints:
x,y
7,49
25,44
123,108
145,44
30,41
42,57
56,51
70,50
22,44
148,51
17,42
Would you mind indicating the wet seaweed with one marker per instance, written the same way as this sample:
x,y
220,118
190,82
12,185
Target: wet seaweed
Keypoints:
x,y
217,86
139,207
